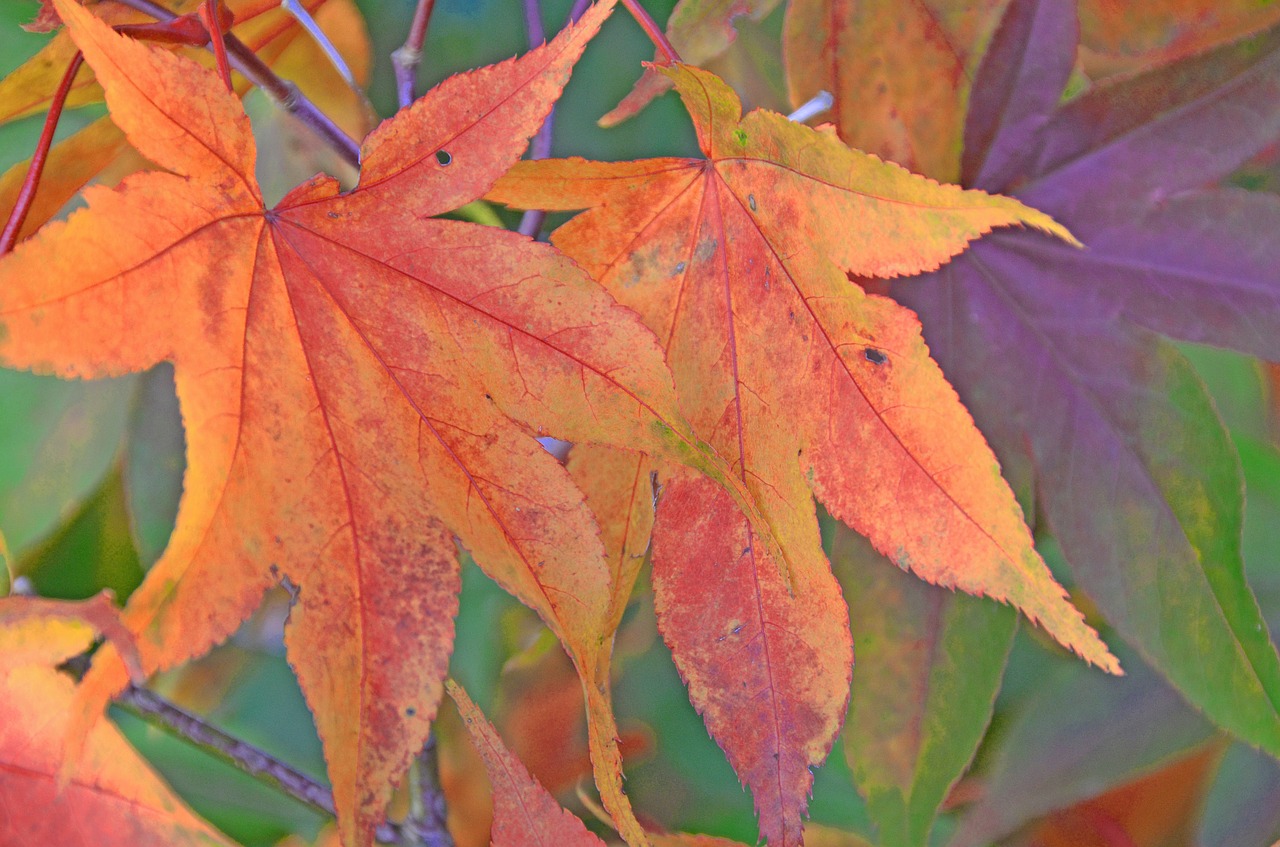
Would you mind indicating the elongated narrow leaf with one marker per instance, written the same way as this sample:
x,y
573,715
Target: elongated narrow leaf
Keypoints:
x,y
1079,735
930,663
524,813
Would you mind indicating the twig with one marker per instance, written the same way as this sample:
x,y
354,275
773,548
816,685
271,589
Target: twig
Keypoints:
x,y
409,56
429,816
304,19
651,29
31,182
286,94
157,711
540,148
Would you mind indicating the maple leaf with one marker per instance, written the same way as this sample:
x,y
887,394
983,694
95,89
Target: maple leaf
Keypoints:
x,y
116,800
346,368
524,813
900,72
738,263
1052,348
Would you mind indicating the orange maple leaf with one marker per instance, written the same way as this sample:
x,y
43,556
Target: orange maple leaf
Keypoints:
x,y
349,372
116,800
804,381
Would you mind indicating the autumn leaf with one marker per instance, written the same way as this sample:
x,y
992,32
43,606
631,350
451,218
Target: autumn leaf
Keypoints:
x,y
738,263
524,813
116,800
901,73
346,368
100,152
1102,421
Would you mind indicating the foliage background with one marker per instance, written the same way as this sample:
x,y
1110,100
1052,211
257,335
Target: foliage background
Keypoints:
x,y
67,449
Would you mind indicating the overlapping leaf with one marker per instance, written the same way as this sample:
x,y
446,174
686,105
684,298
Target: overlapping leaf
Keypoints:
x,y
900,72
524,813
738,264
100,151
116,800
1137,479
346,368
929,665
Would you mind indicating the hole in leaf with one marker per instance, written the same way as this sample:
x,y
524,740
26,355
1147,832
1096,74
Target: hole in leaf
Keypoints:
x,y
874,356
443,158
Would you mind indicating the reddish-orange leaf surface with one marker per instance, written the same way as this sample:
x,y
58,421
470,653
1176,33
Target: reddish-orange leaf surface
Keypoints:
x,y
115,800
524,813
900,72
619,492
804,382
100,152
346,368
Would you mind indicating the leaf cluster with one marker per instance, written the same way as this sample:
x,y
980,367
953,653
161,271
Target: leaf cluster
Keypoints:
x,y
830,387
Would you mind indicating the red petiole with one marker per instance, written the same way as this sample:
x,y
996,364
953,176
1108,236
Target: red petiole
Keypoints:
x,y
186,29
651,29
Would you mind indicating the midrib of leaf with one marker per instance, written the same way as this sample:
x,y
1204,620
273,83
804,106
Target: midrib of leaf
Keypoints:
x,y
892,201
711,200
1118,434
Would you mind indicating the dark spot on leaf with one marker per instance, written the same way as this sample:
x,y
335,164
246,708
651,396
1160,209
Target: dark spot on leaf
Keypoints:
x,y
411,711
751,201
333,215
680,268
443,158
874,356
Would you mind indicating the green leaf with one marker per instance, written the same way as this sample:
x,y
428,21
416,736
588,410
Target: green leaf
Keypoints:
x,y
154,461
60,439
929,663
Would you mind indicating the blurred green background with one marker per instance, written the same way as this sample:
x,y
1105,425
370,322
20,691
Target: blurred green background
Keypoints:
x,y
90,475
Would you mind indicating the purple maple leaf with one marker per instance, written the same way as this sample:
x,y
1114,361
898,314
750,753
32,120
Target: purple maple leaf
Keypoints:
x,y
1061,353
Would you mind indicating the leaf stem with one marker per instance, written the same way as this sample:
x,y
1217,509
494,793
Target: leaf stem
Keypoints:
x,y
409,56
651,29
31,182
540,148
285,93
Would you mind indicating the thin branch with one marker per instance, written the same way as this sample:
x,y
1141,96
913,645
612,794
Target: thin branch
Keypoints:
x,y
285,93
429,816
651,29
540,148
262,766
31,182
409,56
